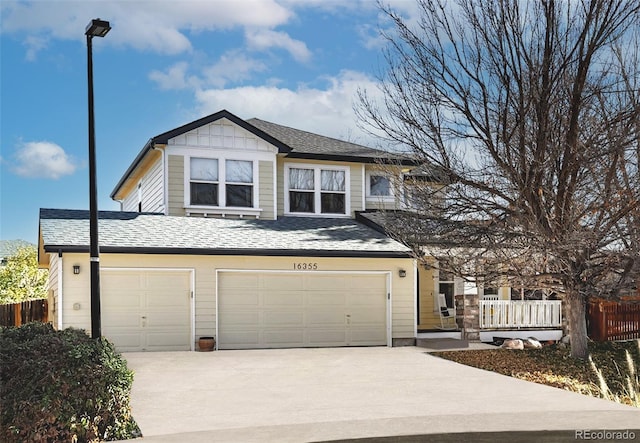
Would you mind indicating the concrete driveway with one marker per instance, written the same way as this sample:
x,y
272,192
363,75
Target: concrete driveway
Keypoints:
x,y
295,395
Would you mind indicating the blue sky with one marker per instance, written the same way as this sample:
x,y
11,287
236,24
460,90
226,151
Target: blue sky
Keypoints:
x,y
165,63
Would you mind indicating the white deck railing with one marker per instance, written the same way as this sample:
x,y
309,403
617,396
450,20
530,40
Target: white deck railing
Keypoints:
x,y
496,314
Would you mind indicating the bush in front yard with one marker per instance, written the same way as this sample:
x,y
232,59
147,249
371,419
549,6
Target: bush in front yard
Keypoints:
x,y
62,386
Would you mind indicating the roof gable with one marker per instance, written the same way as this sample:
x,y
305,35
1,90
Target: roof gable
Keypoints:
x,y
224,114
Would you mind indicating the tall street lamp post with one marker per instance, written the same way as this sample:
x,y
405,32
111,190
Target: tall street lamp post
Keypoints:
x,y
97,28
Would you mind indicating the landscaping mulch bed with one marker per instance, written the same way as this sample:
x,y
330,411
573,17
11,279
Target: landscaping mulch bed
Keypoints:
x,y
553,366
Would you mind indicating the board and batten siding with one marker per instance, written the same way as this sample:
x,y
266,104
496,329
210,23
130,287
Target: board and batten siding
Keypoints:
x,y
175,186
355,178
265,193
151,191
77,286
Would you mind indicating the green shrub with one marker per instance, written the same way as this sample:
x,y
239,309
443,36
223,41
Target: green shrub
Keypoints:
x,y
62,386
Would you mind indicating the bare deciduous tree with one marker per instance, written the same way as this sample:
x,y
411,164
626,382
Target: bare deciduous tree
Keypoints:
x,y
529,114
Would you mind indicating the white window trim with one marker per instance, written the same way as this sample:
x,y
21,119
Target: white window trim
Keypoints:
x,y
221,209
317,191
385,198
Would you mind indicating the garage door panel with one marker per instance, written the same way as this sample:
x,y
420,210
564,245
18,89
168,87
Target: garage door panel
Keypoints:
x,y
234,339
367,282
283,298
126,342
332,317
120,319
166,279
240,297
282,337
239,281
283,318
326,337
323,297
330,310
123,298
367,315
165,319
246,318
280,281
333,282
120,282
159,339
176,300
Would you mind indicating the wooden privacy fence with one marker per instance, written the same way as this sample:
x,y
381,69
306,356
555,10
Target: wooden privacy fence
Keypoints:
x,y
613,320
20,313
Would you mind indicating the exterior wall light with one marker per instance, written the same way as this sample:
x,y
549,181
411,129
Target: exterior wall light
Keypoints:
x,y
76,269
402,273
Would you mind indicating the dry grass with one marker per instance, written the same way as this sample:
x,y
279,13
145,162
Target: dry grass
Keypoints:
x,y
611,371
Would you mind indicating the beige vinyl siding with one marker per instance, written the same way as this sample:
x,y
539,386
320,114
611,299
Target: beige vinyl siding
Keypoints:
x,y
52,289
265,191
76,290
77,286
280,183
355,178
356,187
175,199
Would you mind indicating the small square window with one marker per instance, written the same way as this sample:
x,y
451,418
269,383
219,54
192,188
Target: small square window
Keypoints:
x,y
379,186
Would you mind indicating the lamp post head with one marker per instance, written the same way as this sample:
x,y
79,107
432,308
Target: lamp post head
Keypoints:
x,y
97,28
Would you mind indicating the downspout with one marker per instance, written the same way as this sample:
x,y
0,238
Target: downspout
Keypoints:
x,y
60,263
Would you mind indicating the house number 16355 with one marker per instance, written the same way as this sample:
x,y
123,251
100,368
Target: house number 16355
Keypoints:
x,y
305,266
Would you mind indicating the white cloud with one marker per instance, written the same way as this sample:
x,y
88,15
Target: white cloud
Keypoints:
x,y
262,39
327,111
158,26
43,160
173,78
233,66
34,44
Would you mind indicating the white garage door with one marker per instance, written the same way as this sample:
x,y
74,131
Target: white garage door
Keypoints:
x,y
282,310
146,310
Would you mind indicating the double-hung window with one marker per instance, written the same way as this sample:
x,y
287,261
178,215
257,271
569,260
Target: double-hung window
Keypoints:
x,y
204,181
220,182
239,183
317,190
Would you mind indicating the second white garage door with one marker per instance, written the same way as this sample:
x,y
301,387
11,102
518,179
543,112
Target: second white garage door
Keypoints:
x,y
283,310
146,310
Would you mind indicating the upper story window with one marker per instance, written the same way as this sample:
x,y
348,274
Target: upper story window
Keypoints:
x,y
239,183
204,181
312,189
217,182
379,186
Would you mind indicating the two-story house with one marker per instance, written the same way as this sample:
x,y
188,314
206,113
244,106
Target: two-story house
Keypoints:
x,y
244,230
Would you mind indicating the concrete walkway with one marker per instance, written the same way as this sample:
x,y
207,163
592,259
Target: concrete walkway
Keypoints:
x,y
297,395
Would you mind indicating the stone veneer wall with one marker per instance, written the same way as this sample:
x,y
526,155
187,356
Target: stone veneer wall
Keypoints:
x,y
468,316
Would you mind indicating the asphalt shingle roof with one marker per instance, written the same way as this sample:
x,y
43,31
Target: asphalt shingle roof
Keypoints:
x,y
147,232
303,142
